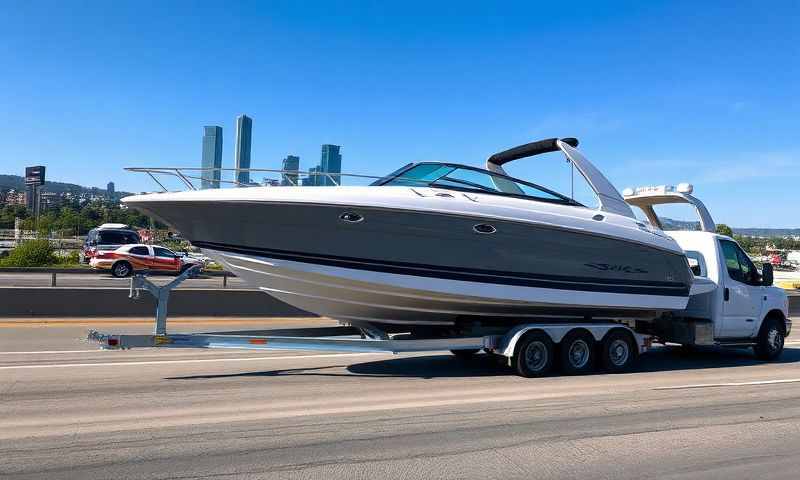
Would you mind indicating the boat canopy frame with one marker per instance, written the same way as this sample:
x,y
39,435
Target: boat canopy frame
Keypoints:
x,y
608,196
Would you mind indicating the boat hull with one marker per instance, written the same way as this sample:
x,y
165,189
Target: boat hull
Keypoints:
x,y
411,267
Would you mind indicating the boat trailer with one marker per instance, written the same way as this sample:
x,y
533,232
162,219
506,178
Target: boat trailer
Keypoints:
x,y
361,339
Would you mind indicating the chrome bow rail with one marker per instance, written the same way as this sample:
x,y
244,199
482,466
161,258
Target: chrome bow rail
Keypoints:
x,y
287,177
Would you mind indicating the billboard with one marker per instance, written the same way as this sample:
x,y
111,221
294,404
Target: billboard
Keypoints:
x,y
34,175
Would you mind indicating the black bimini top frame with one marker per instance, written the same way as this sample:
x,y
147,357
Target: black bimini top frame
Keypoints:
x,y
530,149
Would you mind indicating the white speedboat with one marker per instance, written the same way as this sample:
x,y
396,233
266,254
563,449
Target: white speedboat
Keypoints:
x,y
438,245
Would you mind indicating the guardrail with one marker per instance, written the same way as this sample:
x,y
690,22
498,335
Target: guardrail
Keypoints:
x,y
54,272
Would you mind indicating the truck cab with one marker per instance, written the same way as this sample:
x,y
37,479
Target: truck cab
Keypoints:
x,y
732,303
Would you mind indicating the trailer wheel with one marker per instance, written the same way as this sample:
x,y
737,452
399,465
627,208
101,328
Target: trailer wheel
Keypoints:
x,y
465,354
618,351
769,344
534,356
122,269
576,352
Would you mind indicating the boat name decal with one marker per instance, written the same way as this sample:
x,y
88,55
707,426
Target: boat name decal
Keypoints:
x,y
606,267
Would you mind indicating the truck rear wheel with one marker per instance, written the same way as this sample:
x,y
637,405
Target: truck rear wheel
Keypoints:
x,y
769,344
577,352
534,356
618,351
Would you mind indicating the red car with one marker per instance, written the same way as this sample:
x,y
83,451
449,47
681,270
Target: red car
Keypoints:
x,y
126,260
107,237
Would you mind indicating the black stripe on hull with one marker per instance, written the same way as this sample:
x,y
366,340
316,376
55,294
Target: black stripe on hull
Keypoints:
x,y
588,284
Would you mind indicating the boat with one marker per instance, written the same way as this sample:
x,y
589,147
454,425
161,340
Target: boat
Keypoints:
x,y
438,245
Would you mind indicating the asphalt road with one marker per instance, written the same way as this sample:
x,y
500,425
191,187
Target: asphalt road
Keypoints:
x,y
102,279
68,411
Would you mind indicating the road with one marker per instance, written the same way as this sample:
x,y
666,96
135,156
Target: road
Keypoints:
x,y
69,411
101,279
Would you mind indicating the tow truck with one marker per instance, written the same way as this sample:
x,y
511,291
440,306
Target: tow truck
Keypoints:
x,y
732,304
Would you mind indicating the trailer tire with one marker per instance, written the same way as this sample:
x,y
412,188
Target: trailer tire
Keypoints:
x,y
771,337
577,352
534,355
121,269
618,351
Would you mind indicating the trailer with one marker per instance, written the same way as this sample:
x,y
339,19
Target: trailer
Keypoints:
x,y
531,349
732,304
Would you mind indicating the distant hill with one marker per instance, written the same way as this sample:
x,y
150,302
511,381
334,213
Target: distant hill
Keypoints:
x,y
672,224
8,182
767,232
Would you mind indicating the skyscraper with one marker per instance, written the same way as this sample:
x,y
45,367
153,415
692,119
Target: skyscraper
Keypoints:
x,y
312,180
110,189
244,136
330,162
212,156
292,164
32,198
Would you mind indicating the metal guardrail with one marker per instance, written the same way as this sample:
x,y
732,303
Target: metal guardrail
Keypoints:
x,y
54,272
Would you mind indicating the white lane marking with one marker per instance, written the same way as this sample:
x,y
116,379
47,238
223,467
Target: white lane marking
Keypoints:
x,y
731,384
203,360
52,351
142,350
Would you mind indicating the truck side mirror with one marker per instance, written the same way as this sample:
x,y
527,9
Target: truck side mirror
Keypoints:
x,y
766,275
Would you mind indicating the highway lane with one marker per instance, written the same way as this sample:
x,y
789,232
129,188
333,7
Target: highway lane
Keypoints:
x,y
101,279
68,411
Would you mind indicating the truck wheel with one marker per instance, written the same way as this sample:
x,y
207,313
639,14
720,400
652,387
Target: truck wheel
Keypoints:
x,y
576,352
534,357
121,270
465,354
769,344
618,351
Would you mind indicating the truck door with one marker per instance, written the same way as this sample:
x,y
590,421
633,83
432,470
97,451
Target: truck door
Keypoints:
x,y
742,294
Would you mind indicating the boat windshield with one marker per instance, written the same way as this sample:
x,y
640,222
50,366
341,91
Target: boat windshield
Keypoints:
x,y
464,178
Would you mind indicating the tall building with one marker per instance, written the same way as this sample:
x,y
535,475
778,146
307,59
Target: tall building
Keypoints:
x,y
32,199
110,189
244,137
312,180
330,162
212,157
290,164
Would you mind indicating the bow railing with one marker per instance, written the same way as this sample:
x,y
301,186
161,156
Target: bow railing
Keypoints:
x,y
194,178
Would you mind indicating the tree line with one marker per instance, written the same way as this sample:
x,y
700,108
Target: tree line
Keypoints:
x,y
73,218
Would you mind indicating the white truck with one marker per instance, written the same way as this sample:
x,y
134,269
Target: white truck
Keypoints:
x,y
732,304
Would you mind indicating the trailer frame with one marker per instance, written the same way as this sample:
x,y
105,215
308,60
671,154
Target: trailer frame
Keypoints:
x,y
368,338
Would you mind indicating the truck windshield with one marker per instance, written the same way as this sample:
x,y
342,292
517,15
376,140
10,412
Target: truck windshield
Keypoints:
x,y
460,177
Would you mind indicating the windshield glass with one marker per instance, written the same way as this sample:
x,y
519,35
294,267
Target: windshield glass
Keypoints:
x,y
458,177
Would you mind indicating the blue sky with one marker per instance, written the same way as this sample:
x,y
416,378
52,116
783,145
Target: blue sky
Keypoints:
x,y
657,92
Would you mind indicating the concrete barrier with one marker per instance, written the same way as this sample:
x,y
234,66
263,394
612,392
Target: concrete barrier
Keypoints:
x,y
114,302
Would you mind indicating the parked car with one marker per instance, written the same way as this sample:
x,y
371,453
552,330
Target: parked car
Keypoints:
x,y
127,259
106,238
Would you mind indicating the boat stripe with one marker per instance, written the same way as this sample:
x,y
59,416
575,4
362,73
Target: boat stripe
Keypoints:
x,y
470,275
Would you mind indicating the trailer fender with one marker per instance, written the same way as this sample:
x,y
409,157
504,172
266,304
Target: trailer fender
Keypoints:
x,y
507,344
